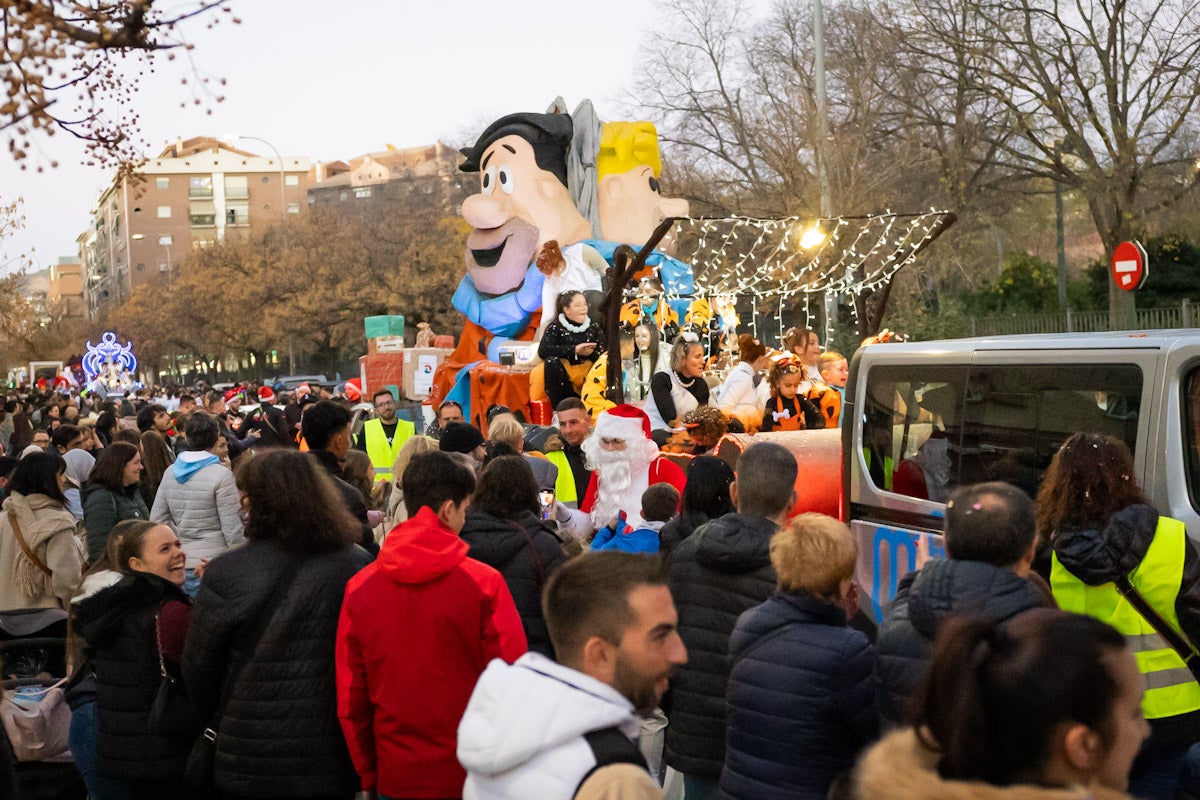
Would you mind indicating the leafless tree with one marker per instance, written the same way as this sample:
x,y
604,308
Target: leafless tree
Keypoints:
x,y
72,65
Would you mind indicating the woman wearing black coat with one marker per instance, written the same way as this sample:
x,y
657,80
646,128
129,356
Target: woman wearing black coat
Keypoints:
x,y
279,735
111,494
705,497
126,628
504,531
570,346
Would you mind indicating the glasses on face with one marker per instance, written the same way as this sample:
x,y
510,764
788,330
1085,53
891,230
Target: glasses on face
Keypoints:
x,y
385,404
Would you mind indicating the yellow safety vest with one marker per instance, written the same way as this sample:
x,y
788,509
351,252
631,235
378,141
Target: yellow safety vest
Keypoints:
x,y
1170,687
383,455
564,488
888,467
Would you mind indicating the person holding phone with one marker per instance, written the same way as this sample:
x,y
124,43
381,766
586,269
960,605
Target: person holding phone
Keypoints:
x,y
569,347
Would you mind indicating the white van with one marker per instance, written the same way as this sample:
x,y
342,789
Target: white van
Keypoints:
x,y
922,418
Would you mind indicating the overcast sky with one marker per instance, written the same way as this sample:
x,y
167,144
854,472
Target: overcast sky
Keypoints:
x,y
334,80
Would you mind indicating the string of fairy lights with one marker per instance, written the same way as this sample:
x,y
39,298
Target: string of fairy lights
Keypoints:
x,y
773,260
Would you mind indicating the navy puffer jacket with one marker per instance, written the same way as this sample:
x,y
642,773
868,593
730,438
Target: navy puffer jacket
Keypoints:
x,y
924,599
801,699
720,571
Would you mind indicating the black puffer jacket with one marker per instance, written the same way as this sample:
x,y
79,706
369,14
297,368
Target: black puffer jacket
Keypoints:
x,y
117,625
678,529
356,504
801,699
525,552
924,599
280,735
1099,555
718,572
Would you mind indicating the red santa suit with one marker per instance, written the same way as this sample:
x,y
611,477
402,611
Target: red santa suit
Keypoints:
x,y
631,425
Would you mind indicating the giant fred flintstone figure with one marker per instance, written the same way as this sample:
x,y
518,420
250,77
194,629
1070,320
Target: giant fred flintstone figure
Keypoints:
x,y
522,209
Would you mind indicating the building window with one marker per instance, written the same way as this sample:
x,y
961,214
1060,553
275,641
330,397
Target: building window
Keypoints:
x,y
293,208
164,212
162,183
165,240
236,187
266,179
291,180
202,213
200,187
237,212
361,192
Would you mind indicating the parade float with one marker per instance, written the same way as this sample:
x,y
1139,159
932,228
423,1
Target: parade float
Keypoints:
x,y
570,202
110,368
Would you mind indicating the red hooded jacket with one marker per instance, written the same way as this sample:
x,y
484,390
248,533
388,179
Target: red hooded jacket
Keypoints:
x,y
417,628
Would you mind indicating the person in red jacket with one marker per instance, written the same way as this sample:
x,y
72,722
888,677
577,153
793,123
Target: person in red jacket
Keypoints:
x,y
417,628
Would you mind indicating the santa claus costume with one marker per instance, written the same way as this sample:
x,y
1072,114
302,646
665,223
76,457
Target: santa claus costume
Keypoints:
x,y
620,476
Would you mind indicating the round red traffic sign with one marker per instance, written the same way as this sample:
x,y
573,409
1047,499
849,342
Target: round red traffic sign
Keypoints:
x,y
1130,267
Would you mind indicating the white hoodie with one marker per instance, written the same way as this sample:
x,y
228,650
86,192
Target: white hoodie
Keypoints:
x,y
522,733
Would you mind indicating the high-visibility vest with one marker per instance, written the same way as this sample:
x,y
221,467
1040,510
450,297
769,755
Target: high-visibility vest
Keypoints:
x,y
383,455
1170,688
888,467
564,488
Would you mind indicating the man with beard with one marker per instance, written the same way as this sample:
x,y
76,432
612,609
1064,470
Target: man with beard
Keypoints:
x,y
625,462
561,729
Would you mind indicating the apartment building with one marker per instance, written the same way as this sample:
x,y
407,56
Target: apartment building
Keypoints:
x,y
197,192
409,172
65,292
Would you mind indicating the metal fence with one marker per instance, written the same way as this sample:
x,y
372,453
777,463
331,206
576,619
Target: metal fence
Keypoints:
x,y
1180,316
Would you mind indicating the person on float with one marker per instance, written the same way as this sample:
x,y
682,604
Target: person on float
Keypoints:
x,y
593,393
649,308
625,462
679,390
1101,532
805,345
834,369
745,392
787,409
569,347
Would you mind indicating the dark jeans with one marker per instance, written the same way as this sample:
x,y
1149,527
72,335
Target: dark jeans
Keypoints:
x,y
84,732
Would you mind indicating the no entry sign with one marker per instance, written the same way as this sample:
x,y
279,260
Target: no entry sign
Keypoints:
x,y
1129,266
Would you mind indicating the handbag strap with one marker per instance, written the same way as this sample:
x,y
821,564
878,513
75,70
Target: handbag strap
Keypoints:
x,y
1174,638
261,620
32,556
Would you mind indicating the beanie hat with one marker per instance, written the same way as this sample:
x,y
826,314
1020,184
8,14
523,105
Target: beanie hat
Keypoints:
x,y
459,437
265,394
623,422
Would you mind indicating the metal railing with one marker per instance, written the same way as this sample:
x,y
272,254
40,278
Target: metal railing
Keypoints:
x,y
1180,316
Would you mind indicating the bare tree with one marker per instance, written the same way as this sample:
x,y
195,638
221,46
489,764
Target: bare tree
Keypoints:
x,y
1098,95
62,65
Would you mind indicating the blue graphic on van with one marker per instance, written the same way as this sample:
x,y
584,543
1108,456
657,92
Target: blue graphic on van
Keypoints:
x,y
900,547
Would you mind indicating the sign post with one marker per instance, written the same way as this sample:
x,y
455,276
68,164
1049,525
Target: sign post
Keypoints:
x,y
1130,267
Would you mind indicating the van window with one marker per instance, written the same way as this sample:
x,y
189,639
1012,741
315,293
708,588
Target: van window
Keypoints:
x,y
1191,421
928,430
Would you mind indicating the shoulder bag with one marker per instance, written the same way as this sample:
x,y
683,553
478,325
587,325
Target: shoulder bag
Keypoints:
x,y
172,714
32,556
1177,641
198,772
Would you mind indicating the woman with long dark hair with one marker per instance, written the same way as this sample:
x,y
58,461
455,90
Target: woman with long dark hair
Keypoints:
x,y
1044,707
134,632
504,531
570,345
301,550
705,497
1105,540
111,494
41,562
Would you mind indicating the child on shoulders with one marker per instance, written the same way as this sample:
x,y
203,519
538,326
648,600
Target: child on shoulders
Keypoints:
x,y
659,503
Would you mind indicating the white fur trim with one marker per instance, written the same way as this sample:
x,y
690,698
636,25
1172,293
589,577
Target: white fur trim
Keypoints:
x,y
625,428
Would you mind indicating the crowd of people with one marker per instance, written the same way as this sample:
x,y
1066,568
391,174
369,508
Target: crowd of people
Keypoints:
x,y
296,602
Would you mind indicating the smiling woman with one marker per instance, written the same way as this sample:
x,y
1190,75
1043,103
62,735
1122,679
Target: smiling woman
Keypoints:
x,y
134,633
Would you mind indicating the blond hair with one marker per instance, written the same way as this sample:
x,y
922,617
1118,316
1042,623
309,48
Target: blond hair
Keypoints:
x,y
505,428
828,359
625,145
813,553
414,446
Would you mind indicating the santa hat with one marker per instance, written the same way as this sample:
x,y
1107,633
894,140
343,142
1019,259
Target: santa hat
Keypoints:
x,y
353,390
303,389
624,422
265,394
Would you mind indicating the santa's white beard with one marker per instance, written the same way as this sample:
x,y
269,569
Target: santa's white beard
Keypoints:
x,y
615,474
